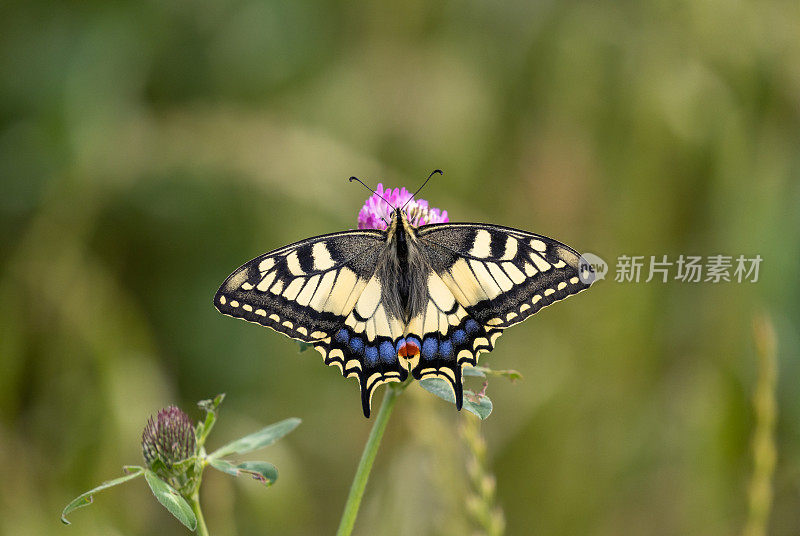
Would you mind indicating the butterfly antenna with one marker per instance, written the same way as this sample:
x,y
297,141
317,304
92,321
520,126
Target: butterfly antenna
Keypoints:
x,y
351,179
434,172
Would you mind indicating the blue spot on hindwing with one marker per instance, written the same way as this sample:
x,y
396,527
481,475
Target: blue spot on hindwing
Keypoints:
x,y
371,354
342,336
388,353
357,345
430,347
446,348
471,326
459,336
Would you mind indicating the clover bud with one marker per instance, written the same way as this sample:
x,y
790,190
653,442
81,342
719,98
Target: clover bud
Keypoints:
x,y
167,440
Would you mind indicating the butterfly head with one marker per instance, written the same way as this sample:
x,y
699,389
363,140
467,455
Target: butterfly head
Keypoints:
x,y
398,224
399,216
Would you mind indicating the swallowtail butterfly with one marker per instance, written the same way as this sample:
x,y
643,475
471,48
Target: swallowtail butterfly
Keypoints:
x,y
380,304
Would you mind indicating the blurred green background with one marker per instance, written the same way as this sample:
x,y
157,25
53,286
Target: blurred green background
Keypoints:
x,y
149,148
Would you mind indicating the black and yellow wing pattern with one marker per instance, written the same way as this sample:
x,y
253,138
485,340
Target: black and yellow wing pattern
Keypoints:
x,y
491,277
503,275
472,282
317,291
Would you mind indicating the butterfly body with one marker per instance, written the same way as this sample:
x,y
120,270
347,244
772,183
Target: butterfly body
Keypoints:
x,y
402,262
421,300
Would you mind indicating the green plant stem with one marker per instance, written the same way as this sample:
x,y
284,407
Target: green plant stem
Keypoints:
x,y
194,502
367,458
763,443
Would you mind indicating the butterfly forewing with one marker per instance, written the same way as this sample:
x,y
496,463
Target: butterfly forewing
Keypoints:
x,y
502,275
304,290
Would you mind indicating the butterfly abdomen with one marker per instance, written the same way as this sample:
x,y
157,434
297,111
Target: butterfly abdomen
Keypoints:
x,y
403,270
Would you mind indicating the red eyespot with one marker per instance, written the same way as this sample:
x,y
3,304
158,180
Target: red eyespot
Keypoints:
x,y
408,349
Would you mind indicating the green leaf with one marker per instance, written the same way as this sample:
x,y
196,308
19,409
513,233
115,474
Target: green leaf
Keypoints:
x,y
475,403
264,472
204,428
510,374
86,499
262,438
473,371
171,500
480,405
304,346
211,404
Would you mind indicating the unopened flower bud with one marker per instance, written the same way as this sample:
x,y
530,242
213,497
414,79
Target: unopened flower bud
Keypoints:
x,y
168,438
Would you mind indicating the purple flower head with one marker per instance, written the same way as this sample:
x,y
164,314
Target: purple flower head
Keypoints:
x,y
376,212
168,438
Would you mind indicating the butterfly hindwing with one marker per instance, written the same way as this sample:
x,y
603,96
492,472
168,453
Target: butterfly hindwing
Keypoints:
x,y
366,344
502,275
377,347
447,337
